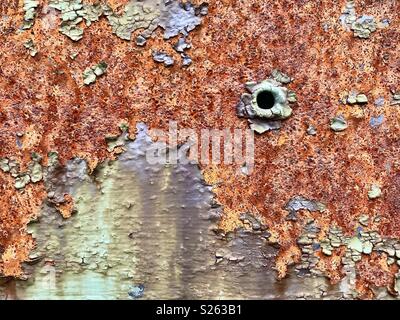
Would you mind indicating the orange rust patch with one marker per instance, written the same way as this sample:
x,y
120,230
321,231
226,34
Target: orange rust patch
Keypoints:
x,y
332,266
66,208
373,270
238,41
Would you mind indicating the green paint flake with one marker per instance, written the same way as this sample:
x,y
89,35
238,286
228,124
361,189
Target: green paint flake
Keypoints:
x,y
326,251
70,17
72,31
135,16
33,174
91,13
374,192
351,99
281,77
356,98
14,168
90,74
291,97
35,168
261,126
364,26
36,156
100,69
355,244
339,123
52,158
4,165
36,172
30,7
21,181
395,98
30,45
73,55
364,220
311,130
361,98
367,247
124,127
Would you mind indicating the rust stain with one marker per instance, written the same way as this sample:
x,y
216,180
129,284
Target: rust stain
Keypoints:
x,y
44,98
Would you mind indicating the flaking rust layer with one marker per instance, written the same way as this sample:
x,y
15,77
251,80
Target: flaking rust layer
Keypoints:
x,y
45,107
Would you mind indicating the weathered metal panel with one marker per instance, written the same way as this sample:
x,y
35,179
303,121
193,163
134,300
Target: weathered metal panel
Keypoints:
x,y
325,182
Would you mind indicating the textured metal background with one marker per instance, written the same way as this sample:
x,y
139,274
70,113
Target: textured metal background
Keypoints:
x,y
44,99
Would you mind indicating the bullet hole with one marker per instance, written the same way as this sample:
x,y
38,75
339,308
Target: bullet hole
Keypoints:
x,y
265,100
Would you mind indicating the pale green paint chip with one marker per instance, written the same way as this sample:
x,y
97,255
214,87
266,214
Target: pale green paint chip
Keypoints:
x,y
36,172
30,7
361,98
355,244
339,123
374,192
4,165
21,181
30,45
367,248
280,76
90,74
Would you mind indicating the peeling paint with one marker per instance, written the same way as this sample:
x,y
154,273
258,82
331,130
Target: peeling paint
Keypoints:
x,y
91,74
30,7
235,43
339,123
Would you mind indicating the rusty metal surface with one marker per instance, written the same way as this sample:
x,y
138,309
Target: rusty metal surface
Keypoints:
x,y
46,107
151,227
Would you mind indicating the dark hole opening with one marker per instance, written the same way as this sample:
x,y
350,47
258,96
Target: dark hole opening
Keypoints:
x,y
265,100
